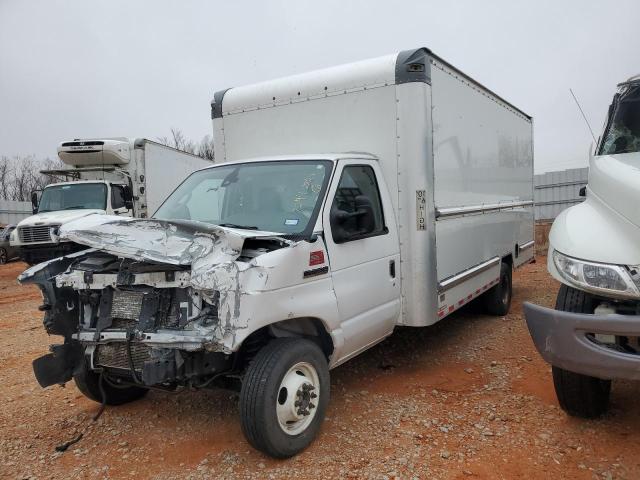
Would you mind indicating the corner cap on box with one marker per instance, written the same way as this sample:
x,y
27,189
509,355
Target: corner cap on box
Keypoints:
x,y
216,103
413,66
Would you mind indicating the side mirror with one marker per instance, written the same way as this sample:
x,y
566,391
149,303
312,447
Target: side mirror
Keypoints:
x,y
583,191
34,202
347,226
128,197
366,220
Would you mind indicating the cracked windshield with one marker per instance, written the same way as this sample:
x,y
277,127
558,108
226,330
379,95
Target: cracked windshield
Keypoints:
x,y
622,133
280,197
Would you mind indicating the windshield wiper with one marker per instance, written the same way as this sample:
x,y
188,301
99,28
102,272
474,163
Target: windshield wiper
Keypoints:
x,y
233,225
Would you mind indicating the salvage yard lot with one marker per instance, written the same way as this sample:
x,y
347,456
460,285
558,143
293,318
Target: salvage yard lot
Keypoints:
x,y
468,398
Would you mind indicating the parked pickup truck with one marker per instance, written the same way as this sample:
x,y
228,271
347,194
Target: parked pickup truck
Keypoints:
x,y
287,259
593,334
116,176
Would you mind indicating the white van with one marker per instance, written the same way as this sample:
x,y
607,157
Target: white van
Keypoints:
x,y
348,201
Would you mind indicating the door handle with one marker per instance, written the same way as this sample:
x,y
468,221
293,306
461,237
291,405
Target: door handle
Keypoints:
x,y
392,268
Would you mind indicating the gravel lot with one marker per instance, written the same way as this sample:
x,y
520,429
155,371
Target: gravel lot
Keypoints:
x,y
467,398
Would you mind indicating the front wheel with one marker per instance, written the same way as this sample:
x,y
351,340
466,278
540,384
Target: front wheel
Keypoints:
x,y
579,395
284,395
88,382
4,258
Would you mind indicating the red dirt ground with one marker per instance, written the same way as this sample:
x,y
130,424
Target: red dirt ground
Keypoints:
x,y
467,398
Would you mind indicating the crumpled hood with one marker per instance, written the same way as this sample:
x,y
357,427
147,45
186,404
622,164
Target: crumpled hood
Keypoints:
x,y
59,216
616,180
176,242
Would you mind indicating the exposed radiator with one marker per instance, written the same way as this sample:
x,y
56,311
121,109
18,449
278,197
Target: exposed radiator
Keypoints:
x,y
114,355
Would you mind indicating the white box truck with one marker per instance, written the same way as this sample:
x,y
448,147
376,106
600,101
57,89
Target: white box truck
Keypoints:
x,y
347,201
593,334
116,176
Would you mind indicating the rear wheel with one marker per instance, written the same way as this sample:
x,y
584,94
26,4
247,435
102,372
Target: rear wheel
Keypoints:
x,y
579,395
88,382
3,256
497,300
284,396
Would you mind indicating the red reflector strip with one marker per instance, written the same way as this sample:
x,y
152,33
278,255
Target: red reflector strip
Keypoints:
x,y
316,258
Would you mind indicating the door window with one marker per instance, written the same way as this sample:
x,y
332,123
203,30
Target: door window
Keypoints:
x,y
117,197
356,211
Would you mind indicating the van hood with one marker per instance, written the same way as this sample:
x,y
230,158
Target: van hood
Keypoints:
x,y
58,217
176,242
615,179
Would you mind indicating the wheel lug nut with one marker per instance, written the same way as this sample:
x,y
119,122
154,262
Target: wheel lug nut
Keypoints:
x,y
314,395
311,387
311,405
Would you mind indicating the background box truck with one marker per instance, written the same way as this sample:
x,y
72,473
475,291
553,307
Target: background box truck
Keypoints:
x,y
117,176
348,201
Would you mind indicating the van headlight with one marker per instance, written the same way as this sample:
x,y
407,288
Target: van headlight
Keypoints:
x,y
600,278
13,237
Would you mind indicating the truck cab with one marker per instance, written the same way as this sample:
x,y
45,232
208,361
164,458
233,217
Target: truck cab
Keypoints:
x,y
593,334
37,236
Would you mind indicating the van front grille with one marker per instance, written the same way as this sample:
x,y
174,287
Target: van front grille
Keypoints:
x,y
35,234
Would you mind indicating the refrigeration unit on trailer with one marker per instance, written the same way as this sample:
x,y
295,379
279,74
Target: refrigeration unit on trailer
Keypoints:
x,y
116,176
345,202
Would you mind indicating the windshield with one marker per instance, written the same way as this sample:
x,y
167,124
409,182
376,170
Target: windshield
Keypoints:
x,y
622,132
277,196
73,196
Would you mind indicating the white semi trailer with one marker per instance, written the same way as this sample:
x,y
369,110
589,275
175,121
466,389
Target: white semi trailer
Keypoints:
x,y
346,202
116,176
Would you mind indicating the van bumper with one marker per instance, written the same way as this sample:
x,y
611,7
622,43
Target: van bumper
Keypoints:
x,y
561,338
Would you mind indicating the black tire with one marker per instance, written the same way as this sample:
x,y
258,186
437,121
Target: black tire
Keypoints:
x,y
260,393
579,395
4,257
88,382
497,300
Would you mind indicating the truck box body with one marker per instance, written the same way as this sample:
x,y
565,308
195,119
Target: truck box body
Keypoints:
x,y
149,170
457,159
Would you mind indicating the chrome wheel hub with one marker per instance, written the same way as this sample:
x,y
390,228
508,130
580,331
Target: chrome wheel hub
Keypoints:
x,y
298,396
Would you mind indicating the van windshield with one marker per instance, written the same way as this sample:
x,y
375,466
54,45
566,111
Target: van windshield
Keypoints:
x,y
274,196
73,196
622,132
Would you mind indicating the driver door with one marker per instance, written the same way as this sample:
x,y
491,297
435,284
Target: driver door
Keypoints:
x,y
364,254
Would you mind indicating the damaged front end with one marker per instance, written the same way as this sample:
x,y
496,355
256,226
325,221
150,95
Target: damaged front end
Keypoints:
x,y
153,303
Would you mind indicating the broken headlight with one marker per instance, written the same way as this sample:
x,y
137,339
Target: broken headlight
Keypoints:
x,y
599,278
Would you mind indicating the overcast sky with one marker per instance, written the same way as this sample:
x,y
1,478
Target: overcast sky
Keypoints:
x,y
79,68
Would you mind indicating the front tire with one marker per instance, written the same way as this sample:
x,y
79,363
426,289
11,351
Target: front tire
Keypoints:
x,y
88,382
284,396
579,395
4,257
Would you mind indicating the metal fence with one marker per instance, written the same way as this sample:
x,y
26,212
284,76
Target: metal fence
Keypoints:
x,y
555,191
12,211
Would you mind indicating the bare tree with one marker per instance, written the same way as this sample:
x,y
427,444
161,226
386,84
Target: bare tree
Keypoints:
x,y
179,141
20,175
5,173
205,148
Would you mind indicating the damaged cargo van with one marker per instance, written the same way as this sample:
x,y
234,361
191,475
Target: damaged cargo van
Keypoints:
x,y
346,202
